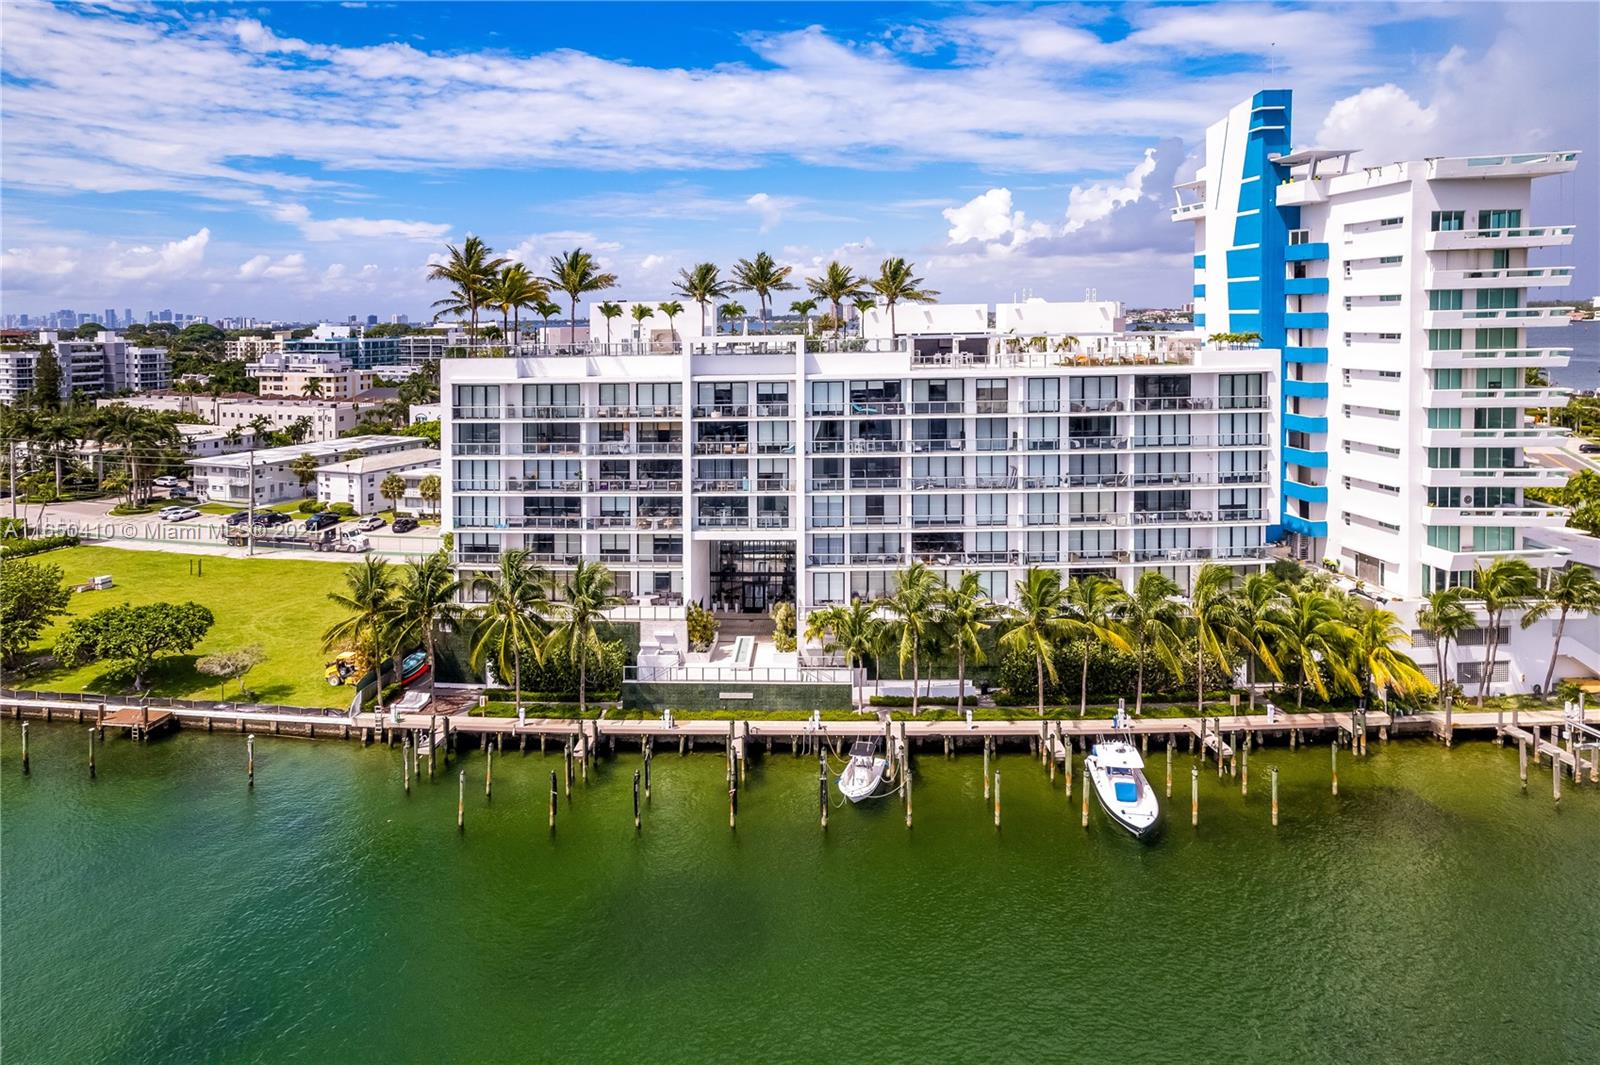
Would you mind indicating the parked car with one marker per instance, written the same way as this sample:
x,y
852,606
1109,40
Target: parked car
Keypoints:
x,y
402,525
321,521
1589,448
368,524
238,517
270,518
178,513
165,482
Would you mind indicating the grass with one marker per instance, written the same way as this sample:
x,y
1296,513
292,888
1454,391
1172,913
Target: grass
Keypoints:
x,y
281,605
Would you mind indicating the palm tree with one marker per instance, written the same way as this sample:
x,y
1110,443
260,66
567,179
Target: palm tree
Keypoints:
x,y
1505,584
855,631
546,310
1091,601
426,597
313,388
304,469
580,615
1209,620
1442,618
965,613
392,488
1252,630
513,289
732,312
576,272
804,308
912,604
836,284
1572,588
430,489
672,308
1311,632
763,276
511,617
369,596
471,273
58,434
1038,622
1148,621
642,313
1377,665
896,282
608,311
863,304
702,283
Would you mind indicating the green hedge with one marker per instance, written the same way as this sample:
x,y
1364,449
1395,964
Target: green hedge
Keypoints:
x,y
505,695
905,700
36,546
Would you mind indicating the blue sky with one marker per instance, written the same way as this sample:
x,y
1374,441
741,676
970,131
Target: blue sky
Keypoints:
x,y
305,160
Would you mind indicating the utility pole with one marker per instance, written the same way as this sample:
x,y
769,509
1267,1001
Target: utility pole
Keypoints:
x,y
13,453
250,522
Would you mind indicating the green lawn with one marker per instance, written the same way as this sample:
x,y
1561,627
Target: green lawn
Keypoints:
x,y
281,605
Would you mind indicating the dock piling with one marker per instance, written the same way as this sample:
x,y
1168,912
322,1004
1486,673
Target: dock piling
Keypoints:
x,y
986,768
997,798
552,800
1244,770
405,760
1274,796
1084,817
822,794
1522,762
461,802
636,800
25,768
647,760
1169,767
250,760
1194,796
91,754
1333,750
488,773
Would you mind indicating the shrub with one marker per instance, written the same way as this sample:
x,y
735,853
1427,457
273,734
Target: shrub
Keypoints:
x,y
783,627
35,546
703,626
13,528
1111,673
344,510
558,678
905,700
310,506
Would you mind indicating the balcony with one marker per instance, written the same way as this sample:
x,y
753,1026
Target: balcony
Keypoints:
x,y
1305,319
1503,237
1304,253
1499,397
1478,357
1189,211
1484,317
1513,277
722,447
1305,286
1305,389
1305,355
1525,436
722,410
1532,164
1514,476
662,411
1519,516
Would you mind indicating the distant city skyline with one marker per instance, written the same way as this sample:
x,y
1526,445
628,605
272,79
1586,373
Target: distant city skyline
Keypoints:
x,y
307,157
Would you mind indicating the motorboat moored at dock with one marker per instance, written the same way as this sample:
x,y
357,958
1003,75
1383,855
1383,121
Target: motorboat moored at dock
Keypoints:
x,y
1117,773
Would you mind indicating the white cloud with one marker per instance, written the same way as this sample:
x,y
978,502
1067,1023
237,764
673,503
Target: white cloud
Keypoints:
x,y
173,260
1091,203
769,208
1384,122
264,267
989,218
22,267
338,229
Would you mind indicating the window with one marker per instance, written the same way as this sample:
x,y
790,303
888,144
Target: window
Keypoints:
x,y
1499,377
1444,458
1496,418
1447,378
1446,299
1496,339
1505,218
1494,458
1385,222
1494,538
1500,259
1445,537
1444,418
1444,497
1389,299
1388,336
1444,339
1498,298
1390,260
1299,236
1447,221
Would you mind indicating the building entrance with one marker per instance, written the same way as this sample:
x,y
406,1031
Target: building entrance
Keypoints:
x,y
749,576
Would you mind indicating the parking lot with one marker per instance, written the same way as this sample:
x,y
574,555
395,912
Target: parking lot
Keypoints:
x,y
95,524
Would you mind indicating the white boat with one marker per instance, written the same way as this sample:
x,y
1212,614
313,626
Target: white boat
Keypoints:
x,y
861,777
1117,772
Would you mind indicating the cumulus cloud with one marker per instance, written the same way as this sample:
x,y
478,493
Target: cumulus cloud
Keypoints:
x,y
331,229
143,262
265,267
1383,121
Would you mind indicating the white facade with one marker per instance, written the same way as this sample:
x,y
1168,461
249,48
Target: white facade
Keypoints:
x,y
324,419
357,481
228,478
103,366
247,348
744,471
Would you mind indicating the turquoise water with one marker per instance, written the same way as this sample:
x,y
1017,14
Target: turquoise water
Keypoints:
x,y
163,912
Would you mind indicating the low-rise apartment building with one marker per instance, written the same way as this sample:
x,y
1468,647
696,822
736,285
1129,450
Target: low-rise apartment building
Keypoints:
x,y
105,366
229,478
359,481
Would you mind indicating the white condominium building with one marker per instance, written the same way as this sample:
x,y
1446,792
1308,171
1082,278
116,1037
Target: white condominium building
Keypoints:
x,y
742,471
1399,296
104,366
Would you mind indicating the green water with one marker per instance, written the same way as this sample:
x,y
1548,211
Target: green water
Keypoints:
x,y
164,913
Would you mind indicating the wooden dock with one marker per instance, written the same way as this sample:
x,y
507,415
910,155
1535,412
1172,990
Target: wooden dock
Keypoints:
x,y
141,721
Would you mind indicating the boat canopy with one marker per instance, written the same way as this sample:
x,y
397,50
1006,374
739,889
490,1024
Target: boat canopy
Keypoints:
x,y
862,749
1118,755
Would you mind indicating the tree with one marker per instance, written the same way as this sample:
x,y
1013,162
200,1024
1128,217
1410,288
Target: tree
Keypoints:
x,y
430,489
863,304
1148,620
1310,632
578,616
46,392
1038,623
913,604
855,631
369,596
471,272
313,388
896,282
965,613
546,310
763,276
1377,665
702,283
804,308
642,313
231,665
59,434
426,596
511,616
1574,588
513,289
732,312
1091,602
1442,618
609,311
304,468
31,597
1505,584
392,488
1208,617
836,284
575,273
1252,631
133,636
672,308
